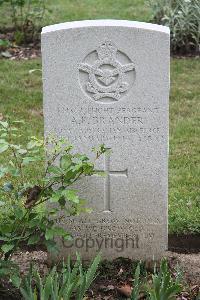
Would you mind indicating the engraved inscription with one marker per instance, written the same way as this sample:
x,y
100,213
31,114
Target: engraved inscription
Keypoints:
x,y
107,181
110,232
102,124
109,73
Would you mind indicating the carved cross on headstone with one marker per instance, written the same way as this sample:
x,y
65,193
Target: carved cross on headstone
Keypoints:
x,y
107,186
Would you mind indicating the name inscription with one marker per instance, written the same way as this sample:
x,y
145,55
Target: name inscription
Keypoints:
x,y
102,124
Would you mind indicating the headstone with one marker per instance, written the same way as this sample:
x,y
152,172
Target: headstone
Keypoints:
x,y
107,81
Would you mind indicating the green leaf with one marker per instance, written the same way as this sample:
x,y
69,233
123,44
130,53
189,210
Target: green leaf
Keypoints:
x,y
55,170
14,172
3,141
32,216
59,231
3,135
4,43
4,238
16,280
4,124
22,151
6,228
68,237
88,210
2,203
65,161
49,234
28,159
71,195
14,129
19,213
90,276
34,223
34,239
3,147
31,145
11,163
3,171
7,247
56,231
51,246
17,147
81,157
56,196
62,202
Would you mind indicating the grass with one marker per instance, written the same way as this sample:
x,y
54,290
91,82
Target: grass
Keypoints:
x,y
99,9
184,166
69,10
20,93
21,98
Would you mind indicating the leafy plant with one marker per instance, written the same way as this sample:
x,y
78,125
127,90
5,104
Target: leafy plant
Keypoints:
x,y
183,18
159,286
59,285
26,16
137,284
4,44
164,287
25,219
8,269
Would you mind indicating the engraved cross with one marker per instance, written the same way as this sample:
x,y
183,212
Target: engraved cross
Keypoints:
x,y
107,180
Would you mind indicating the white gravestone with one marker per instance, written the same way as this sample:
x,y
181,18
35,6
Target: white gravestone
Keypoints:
x,y
107,81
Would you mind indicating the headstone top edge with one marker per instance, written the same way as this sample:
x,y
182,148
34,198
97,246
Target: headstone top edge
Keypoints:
x,y
104,22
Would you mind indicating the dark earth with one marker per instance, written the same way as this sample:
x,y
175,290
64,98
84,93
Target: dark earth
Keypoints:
x,y
33,49
115,278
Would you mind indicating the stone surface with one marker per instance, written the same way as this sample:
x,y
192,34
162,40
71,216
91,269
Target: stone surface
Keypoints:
x,y
107,81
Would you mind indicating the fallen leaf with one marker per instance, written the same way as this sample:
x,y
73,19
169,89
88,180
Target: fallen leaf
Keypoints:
x,y
34,70
91,293
185,295
195,289
110,287
106,288
125,290
120,272
6,54
142,296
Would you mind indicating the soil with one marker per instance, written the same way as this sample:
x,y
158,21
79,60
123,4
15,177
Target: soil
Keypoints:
x,y
16,52
115,278
189,264
33,49
184,243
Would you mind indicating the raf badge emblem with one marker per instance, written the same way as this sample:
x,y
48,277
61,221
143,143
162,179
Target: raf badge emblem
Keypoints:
x,y
106,74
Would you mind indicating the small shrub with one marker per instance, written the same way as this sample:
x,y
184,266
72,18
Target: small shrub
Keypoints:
x,y
24,217
4,44
26,17
183,19
59,285
137,283
163,285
